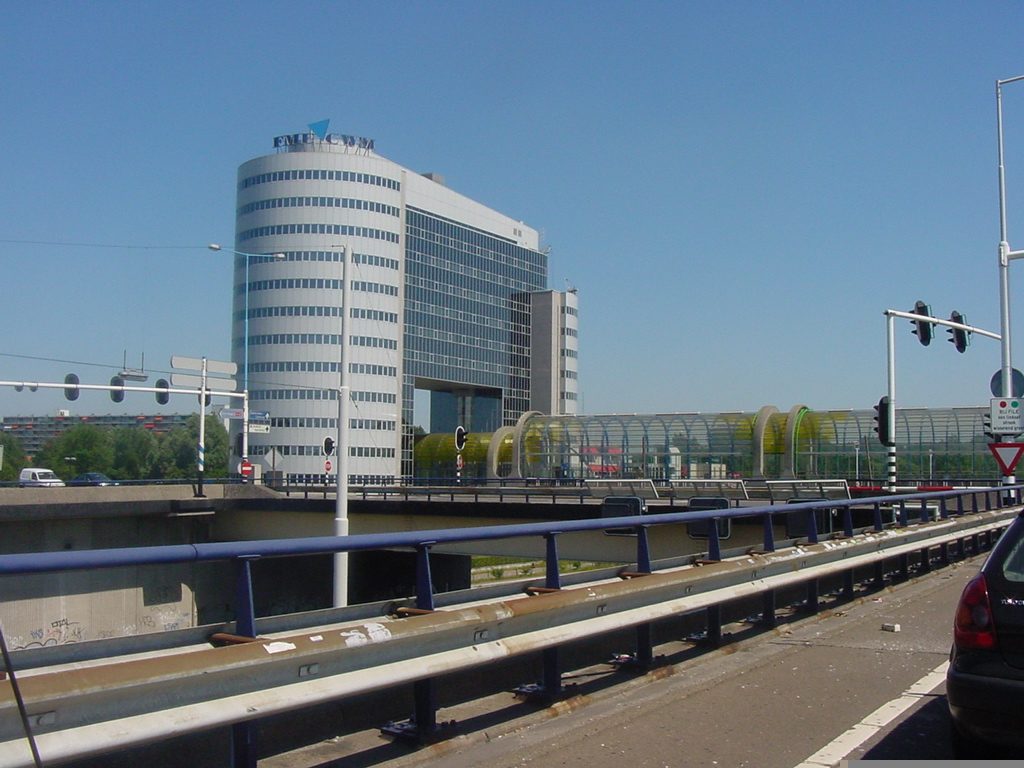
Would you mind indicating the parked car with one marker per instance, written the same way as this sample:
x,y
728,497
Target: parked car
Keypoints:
x,y
92,478
985,680
37,477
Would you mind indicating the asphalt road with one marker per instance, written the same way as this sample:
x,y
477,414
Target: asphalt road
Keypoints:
x,y
810,693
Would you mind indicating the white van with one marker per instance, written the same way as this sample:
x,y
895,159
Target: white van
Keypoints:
x,y
34,477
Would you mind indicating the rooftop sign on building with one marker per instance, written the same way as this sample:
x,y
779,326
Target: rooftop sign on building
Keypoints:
x,y
318,135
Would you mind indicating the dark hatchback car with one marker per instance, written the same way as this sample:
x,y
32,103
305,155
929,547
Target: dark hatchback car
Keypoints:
x,y
985,681
92,478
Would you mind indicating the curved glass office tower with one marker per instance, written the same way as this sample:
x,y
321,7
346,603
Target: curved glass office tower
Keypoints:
x,y
441,289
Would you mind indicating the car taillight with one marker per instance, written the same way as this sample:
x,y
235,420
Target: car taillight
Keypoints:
x,y
973,627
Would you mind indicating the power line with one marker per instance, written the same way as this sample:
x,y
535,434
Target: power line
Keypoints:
x,y
105,245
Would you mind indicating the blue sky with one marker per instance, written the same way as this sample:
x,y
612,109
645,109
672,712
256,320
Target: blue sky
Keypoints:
x,y
737,189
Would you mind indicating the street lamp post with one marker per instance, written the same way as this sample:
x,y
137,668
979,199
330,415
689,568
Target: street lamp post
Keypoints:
x,y
341,494
245,334
1005,256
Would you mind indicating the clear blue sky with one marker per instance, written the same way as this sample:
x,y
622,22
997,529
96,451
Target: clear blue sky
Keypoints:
x,y
737,189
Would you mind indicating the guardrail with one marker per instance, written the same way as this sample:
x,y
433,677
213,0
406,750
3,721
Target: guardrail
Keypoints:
x,y
86,709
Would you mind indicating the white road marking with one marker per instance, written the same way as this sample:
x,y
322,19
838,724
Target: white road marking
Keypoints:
x,y
831,754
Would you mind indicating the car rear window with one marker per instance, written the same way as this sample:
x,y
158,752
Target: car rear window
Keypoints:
x,y
1013,564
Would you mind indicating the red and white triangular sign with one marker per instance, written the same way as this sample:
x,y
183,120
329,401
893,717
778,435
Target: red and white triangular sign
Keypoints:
x,y
1007,455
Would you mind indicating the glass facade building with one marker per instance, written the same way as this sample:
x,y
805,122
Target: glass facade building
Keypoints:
x,y
439,288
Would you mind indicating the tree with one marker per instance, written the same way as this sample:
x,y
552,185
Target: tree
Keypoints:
x,y
83,448
15,457
176,450
135,453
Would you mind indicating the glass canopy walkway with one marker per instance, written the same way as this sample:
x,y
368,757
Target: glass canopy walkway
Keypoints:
x,y
932,444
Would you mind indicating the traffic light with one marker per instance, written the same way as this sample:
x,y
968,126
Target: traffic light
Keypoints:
x,y
959,337
328,446
460,438
71,390
986,420
162,397
882,411
117,395
922,328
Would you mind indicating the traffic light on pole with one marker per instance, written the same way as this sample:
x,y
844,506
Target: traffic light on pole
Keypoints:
x,y
959,337
328,446
922,328
986,420
117,395
71,388
882,412
164,396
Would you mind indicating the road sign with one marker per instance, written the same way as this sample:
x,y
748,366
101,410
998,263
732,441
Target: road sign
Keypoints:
x,y
259,415
259,429
232,413
245,468
1016,383
1007,415
327,465
459,461
196,364
1007,455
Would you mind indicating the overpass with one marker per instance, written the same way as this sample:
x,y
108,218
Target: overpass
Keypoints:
x,y
82,700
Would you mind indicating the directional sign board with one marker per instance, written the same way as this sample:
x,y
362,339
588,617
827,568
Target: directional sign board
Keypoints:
x,y
232,413
257,428
1007,455
196,364
1007,415
188,380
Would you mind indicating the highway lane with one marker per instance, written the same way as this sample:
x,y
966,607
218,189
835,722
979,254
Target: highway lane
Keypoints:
x,y
807,694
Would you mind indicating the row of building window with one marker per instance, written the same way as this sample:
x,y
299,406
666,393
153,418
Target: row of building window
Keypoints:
x,y
567,310
355,451
316,283
570,332
319,202
383,425
321,394
358,313
299,422
374,342
290,311
374,261
369,287
570,353
330,339
321,366
310,174
318,229
331,256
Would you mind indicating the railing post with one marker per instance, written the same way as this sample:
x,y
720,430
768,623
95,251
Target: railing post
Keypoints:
x,y
769,533
847,521
644,649
714,544
903,514
812,526
878,517
552,576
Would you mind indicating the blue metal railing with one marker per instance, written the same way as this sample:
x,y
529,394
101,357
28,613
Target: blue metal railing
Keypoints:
x,y
904,509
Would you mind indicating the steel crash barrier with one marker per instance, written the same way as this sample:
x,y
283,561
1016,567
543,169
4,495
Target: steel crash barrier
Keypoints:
x,y
52,714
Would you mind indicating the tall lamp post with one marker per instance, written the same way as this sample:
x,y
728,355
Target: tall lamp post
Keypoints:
x,y
341,495
245,332
1005,256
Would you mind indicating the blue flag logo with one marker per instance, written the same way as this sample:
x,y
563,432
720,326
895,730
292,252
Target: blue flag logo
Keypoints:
x,y
319,129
